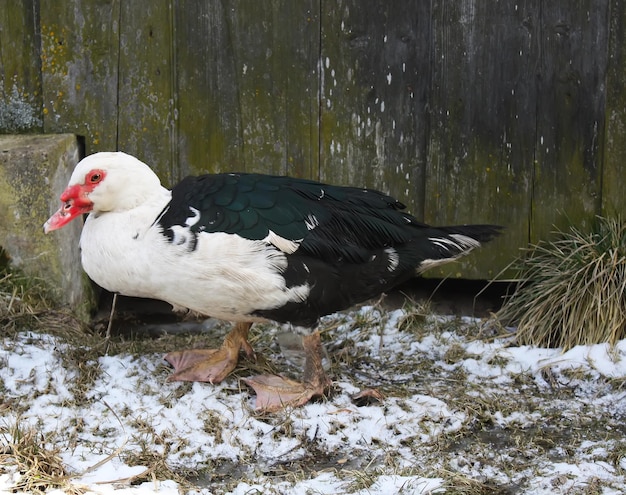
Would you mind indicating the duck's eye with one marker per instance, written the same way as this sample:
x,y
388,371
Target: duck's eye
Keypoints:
x,y
95,177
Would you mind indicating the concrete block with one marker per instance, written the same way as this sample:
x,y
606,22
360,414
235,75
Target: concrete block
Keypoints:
x,y
34,170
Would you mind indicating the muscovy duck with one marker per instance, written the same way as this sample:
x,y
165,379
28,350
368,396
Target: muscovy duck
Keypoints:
x,y
248,248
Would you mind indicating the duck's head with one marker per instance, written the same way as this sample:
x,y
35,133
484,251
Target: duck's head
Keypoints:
x,y
108,181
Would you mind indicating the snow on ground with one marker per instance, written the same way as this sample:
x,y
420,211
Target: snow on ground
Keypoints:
x,y
421,439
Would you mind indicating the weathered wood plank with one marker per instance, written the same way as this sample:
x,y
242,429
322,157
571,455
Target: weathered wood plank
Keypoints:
x,y
79,53
614,173
209,125
276,50
375,76
301,46
570,121
21,103
147,118
248,77
483,119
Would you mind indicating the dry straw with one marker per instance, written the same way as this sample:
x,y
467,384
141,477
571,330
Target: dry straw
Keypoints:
x,y
572,289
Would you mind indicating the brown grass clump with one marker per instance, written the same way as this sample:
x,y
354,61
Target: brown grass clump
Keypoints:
x,y
40,467
572,289
26,303
14,299
20,294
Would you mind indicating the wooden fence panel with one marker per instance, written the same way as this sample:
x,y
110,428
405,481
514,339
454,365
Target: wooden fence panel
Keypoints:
x,y
21,104
614,163
248,86
509,112
147,96
209,124
375,74
570,121
483,119
79,53
276,68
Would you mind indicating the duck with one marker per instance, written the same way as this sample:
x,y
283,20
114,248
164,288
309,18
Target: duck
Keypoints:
x,y
249,248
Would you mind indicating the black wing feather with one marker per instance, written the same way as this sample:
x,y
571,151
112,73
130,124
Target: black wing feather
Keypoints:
x,y
330,222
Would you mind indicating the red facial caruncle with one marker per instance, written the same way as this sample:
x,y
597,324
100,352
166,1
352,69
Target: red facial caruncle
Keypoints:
x,y
75,200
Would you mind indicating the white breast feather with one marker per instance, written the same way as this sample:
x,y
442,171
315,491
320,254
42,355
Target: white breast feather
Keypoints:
x,y
285,245
226,276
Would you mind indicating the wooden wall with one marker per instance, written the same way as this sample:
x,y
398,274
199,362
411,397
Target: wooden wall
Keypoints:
x,y
510,111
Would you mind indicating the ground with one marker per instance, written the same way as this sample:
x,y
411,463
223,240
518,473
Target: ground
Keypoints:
x,y
465,411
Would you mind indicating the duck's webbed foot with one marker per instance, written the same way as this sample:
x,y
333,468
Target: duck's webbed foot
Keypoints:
x,y
276,392
211,365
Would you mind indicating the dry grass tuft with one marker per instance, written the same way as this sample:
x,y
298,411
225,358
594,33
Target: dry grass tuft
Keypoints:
x,y
39,466
17,299
416,318
25,303
20,293
572,290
